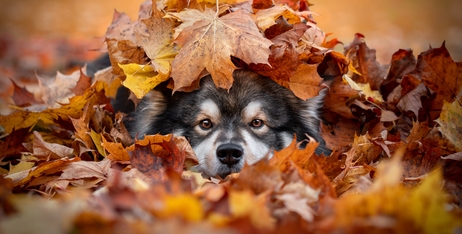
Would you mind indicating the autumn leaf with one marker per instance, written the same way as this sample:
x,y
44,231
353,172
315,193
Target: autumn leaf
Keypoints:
x,y
306,83
209,44
22,97
121,28
364,89
82,84
156,154
441,75
450,121
364,61
141,79
59,91
267,17
158,43
47,151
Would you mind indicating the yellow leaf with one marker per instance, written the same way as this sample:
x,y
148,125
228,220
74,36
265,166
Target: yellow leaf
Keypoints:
x,y
245,204
185,206
364,89
96,138
158,44
141,79
450,121
23,165
428,206
267,17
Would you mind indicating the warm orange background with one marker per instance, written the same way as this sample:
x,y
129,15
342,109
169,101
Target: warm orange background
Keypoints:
x,y
387,24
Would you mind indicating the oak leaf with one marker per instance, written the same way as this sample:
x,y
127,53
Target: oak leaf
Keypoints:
x,y
209,44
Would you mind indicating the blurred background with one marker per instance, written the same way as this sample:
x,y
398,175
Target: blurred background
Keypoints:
x,y
44,36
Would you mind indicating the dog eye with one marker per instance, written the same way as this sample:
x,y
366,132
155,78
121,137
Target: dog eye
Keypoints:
x,y
256,123
206,124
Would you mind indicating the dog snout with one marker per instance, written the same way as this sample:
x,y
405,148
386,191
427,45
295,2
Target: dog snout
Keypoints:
x,y
230,153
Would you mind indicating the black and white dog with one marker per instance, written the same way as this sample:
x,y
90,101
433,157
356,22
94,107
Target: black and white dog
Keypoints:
x,y
229,128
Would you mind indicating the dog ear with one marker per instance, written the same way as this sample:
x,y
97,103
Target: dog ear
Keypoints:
x,y
312,120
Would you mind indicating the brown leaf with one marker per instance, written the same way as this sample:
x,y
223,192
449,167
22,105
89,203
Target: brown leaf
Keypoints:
x,y
259,177
83,84
284,59
412,101
117,151
47,151
124,52
441,75
11,145
155,155
59,91
306,83
364,61
47,168
22,97
158,43
402,63
121,28
209,44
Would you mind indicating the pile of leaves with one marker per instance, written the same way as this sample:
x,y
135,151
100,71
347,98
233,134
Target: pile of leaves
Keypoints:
x,y
68,163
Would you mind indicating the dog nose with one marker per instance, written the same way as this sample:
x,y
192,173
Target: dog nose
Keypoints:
x,y
229,153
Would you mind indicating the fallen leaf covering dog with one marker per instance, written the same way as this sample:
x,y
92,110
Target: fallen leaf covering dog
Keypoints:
x,y
69,164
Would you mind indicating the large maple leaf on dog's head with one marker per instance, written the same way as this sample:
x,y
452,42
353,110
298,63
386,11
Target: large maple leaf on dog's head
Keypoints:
x,y
209,44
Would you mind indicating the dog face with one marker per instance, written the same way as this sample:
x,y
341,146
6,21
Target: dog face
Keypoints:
x,y
229,128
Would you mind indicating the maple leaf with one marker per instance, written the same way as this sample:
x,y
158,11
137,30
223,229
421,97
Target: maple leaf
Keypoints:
x,y
123,52
412,100
141,79
441,75
22,97
82,84
156,154
364,89
450,121
117,151
121,28
296,197
402,63
364,60
111,82
59,91
12,144
209,44
267,17
284,59
26,119
47,151
306,82
158,43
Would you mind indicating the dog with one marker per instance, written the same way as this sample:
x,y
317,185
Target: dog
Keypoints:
x,y
227,129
